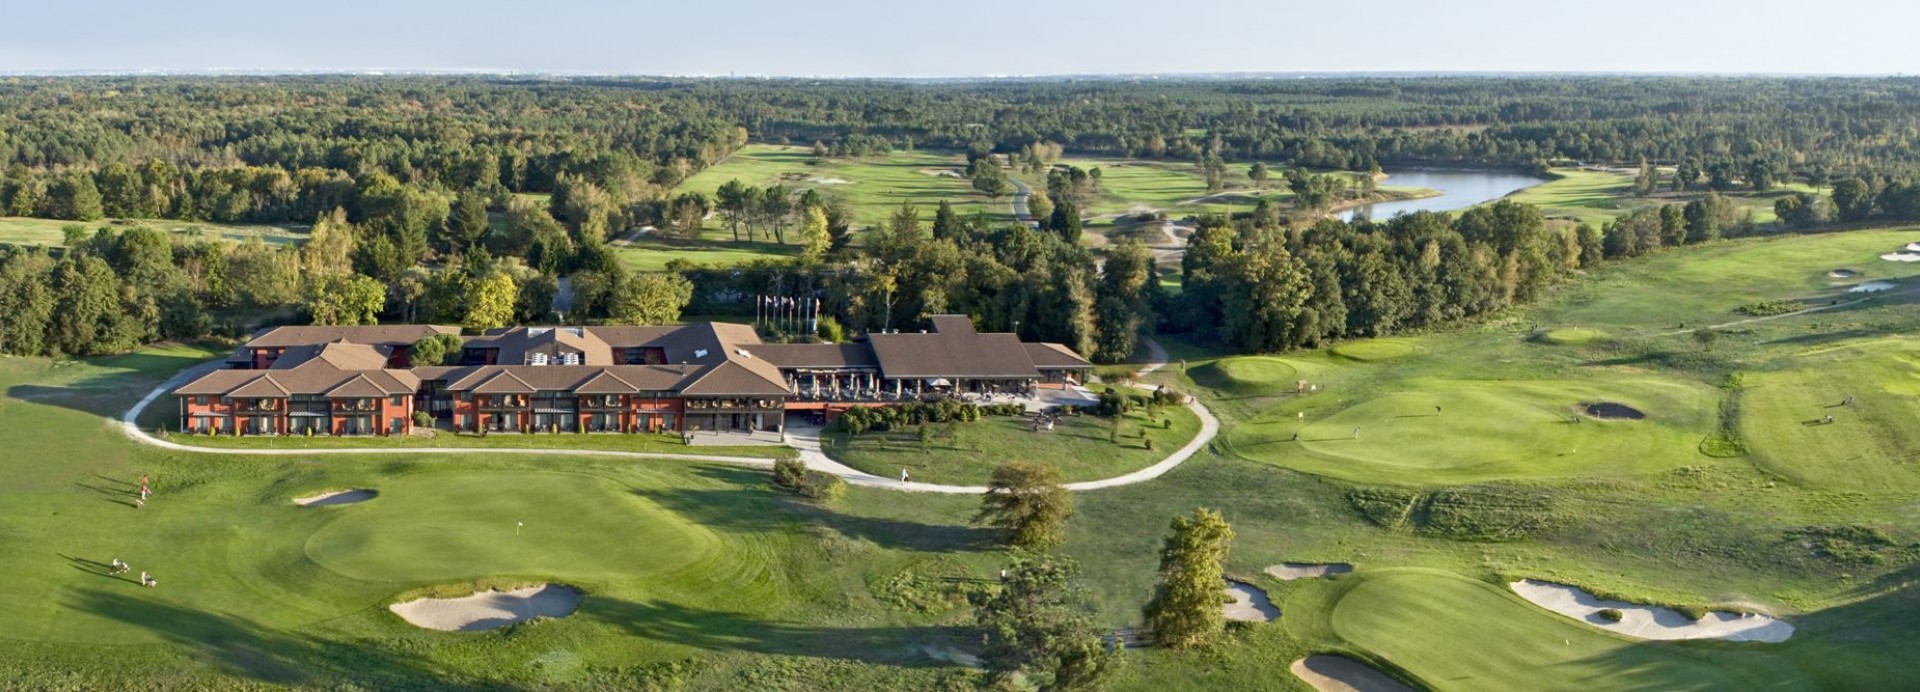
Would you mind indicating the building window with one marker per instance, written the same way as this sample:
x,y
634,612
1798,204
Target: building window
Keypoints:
x,y
399,401
539,359
570,359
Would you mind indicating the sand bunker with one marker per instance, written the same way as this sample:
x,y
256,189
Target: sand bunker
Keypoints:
x,y
1249,604
336,497
1901,257
1871,287
1608,410
940,172
1912,247
1341,674
1650,622
1842,274
490,609
1289,571
830,181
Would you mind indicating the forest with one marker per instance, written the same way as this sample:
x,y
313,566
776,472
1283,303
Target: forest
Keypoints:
x,y
473,200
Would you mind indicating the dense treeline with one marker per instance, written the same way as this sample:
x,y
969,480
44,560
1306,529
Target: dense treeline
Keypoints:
x,y
1262,287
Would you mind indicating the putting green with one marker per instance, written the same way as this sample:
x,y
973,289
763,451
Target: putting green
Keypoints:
x,y
1572,336
445,526
1456,633
1486,430
1249,375
1870,445
1372,350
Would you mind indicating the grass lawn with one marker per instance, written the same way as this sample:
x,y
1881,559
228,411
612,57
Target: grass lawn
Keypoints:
x,y
1427,431
653,254
16,230
874,186
1588,196
661,444
1872,443
1079,446
695,575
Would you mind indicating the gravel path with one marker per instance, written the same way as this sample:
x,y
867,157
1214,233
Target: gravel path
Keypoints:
x,y
806,440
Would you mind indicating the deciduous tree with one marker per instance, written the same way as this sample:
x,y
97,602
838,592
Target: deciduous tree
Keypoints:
x,y
1026,500
1185,610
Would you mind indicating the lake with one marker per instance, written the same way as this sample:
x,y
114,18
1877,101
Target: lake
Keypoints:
x,y
1458,189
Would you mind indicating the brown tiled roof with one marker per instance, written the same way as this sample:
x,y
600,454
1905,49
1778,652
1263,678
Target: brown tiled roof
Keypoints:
x,y
387,334
262,387
605,383
503,382
1055,356
519,345
219,382
359,386
342,355
997,355
738,376
817,355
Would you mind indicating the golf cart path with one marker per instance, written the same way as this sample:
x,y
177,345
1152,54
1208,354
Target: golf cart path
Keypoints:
x,y
807,444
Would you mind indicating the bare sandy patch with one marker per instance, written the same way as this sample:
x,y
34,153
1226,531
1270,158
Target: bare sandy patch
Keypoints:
x,y
1871,287
1842,274
941,172
336,497
821,180
1651,622
1249,604
1328,673
1901,257
1289,571
490,609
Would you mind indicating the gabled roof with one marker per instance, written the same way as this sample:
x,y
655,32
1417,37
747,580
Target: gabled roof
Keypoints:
x,y
384,334
357,386
605,383
519,345
1055,356
817,355
947,354
341,354
262,387
504,382
952,324
738,377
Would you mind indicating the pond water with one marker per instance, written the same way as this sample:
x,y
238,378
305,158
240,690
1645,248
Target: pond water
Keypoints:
x,y
1458,189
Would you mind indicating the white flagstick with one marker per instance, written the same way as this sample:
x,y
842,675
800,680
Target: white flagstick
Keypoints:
x,y
516,527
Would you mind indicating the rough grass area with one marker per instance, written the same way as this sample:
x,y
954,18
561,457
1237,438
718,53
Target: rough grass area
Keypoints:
x,y
1571,336
1082,447
1371,350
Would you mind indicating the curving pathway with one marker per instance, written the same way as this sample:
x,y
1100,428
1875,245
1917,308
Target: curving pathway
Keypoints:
x,y
806,440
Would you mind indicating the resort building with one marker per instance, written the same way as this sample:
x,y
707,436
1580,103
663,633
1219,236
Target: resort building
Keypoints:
x,y
702,377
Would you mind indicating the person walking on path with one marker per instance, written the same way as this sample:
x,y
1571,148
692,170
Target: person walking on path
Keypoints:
x,y
903,474
1356,432
1829,419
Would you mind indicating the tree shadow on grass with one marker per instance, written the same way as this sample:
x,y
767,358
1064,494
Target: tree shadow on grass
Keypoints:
x,y
750,506
242,648
109,394
714,630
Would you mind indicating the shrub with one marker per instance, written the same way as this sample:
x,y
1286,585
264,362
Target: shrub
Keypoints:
x,y
822,486
422,419
1769,308
1611,614
789,473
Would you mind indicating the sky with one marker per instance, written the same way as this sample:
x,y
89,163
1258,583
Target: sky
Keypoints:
x,y
971,38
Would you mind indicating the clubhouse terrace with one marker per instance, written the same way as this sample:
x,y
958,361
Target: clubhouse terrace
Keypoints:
x,y
710,377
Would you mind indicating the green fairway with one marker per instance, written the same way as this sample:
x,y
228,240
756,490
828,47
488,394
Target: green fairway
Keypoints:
x,y
648,443
1571,336
16,230
1588,196
1871,443
874,186
1376,349
1705,285
1455,633
463,526
653,254
1249,375
1079,446
1465,431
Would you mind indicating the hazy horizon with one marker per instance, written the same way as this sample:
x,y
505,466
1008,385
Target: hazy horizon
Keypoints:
x,y
1000,38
